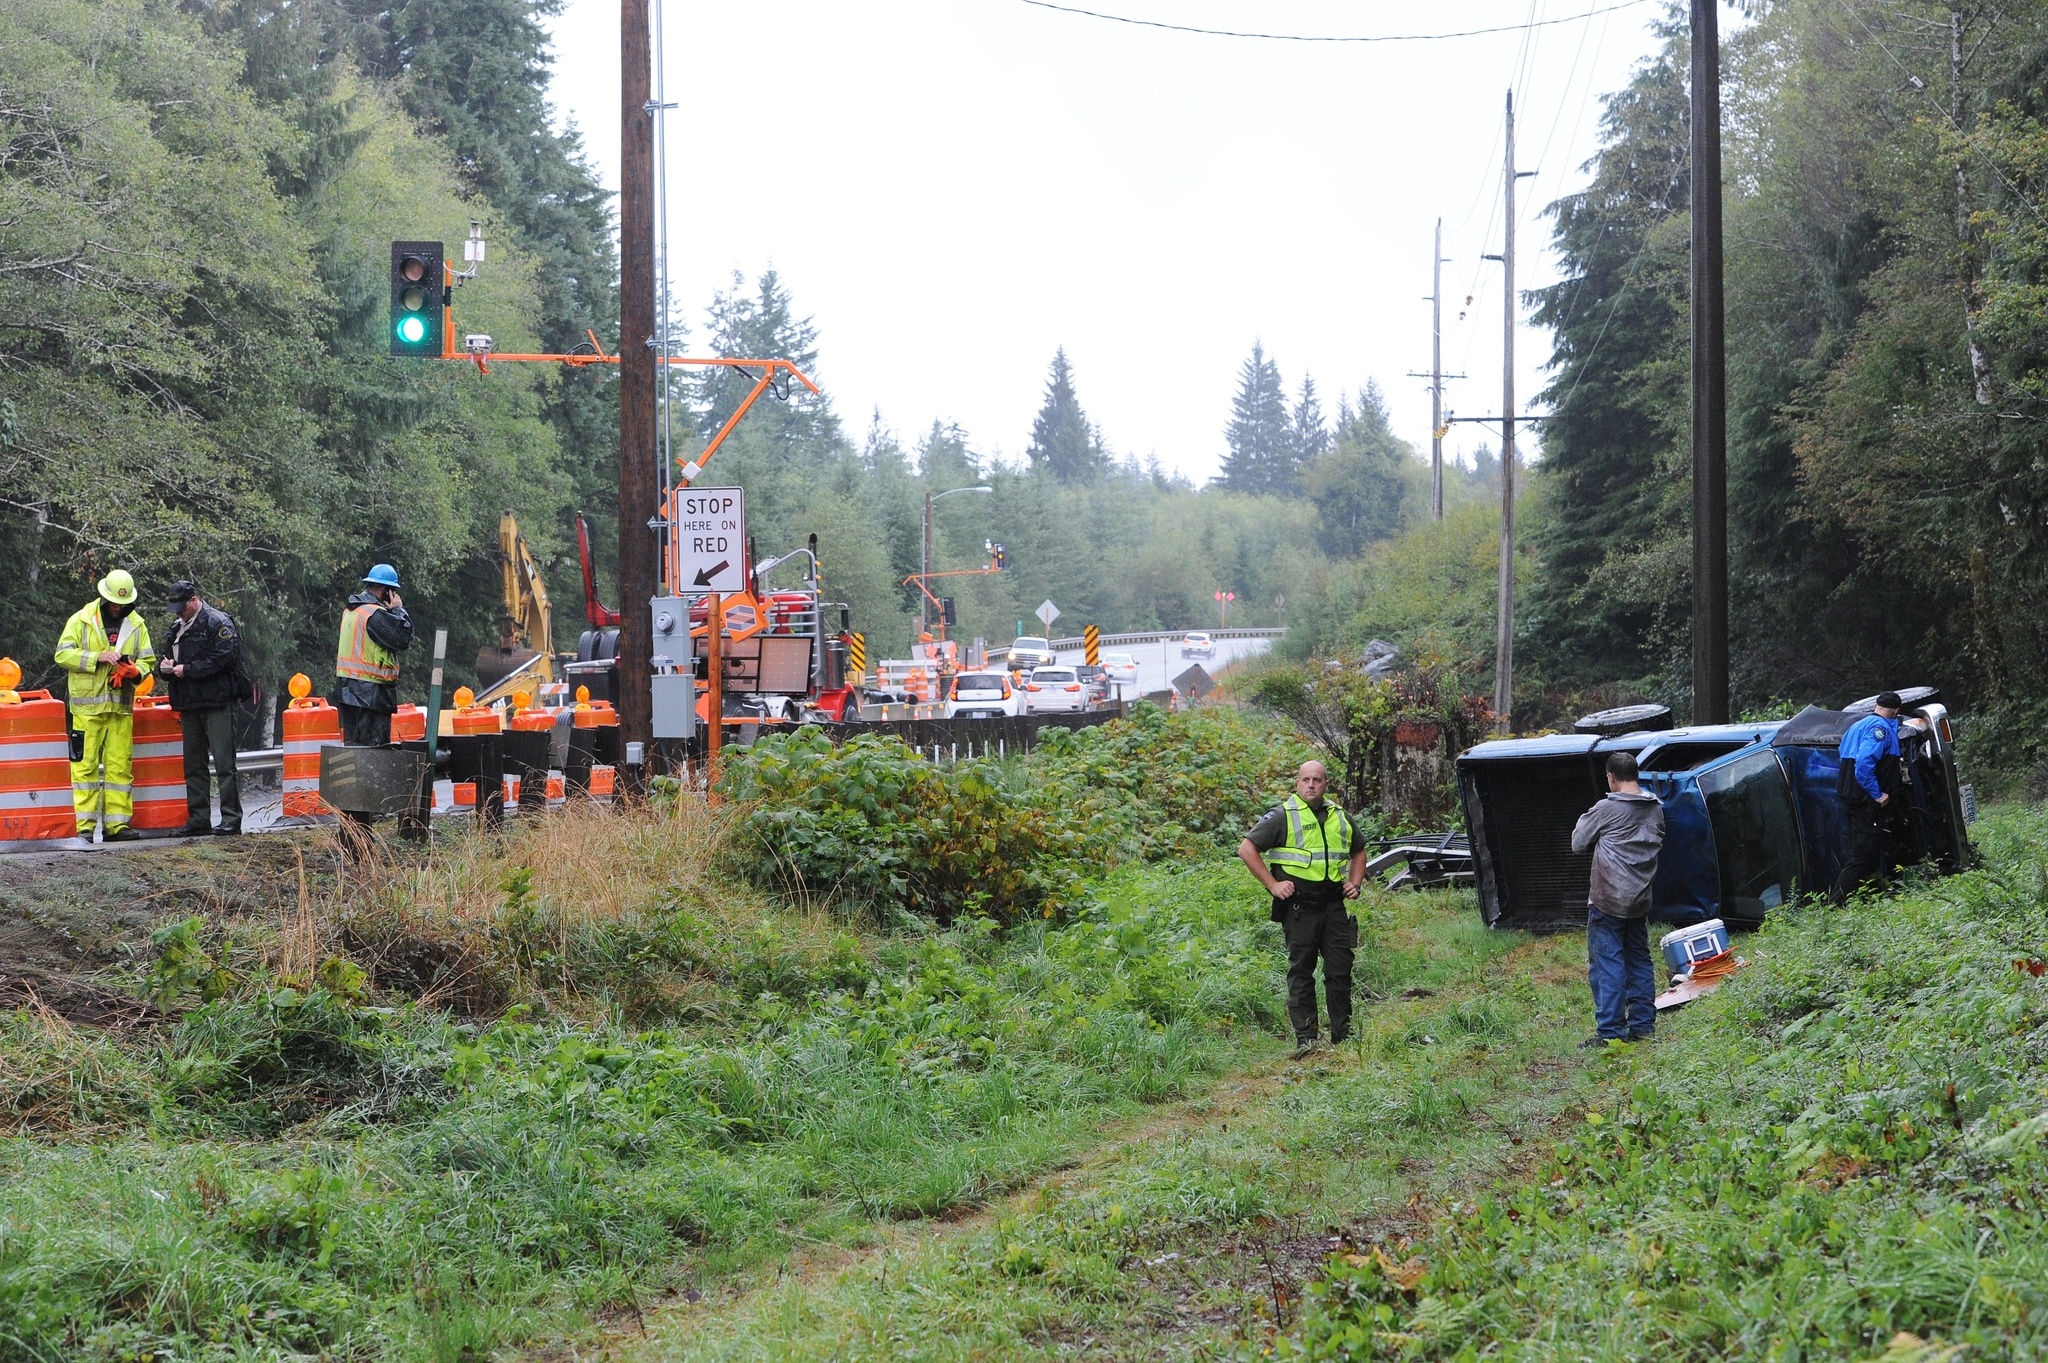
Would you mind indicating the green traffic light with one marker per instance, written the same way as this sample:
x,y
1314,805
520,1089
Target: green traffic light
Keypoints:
x,y
412,331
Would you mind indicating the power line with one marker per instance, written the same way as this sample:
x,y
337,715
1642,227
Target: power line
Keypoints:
x,y
1329,38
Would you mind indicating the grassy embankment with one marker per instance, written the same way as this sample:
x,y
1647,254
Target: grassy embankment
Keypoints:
x,y
1839,1156
428,1108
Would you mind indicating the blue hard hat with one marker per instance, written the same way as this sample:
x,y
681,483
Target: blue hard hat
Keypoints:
x,y
384,575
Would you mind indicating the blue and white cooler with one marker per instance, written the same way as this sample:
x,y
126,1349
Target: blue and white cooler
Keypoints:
x,y
1685,948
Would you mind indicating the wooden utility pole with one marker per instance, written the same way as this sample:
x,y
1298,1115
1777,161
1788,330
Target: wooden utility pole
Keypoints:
x,y
1436,374
1504,633
639,483
1709,383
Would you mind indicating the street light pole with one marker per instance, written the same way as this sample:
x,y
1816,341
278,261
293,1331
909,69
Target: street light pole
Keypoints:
x,y
925,570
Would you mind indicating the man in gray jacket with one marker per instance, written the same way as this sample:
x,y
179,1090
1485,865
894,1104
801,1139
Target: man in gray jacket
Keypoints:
x,y
1624,832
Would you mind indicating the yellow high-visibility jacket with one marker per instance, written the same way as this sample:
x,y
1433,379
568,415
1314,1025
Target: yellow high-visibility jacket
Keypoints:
x,y
90,680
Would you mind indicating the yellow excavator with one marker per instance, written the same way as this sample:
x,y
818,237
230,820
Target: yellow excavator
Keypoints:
x,y
524,655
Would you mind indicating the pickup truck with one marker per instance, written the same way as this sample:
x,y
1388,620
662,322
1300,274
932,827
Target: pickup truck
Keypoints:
x,y
1752,818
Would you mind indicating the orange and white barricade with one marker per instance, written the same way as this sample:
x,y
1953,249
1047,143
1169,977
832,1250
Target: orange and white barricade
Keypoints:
x,y
159,766
604,783
310,723
35,763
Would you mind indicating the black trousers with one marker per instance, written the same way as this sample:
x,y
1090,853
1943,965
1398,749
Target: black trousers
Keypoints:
x,y
1865,861
362,728
1327,932
210,733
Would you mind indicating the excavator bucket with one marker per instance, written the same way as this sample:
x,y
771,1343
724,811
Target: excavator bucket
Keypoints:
x,y
495,664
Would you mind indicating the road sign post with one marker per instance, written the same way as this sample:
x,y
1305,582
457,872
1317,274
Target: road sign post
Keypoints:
x,y
710,539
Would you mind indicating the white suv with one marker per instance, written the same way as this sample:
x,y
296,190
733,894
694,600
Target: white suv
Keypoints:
x,y
1198,645
1054,688
983,695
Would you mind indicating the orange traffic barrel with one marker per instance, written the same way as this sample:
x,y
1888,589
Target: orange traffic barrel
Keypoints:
x,y
308,724
159,766
409,725
35,768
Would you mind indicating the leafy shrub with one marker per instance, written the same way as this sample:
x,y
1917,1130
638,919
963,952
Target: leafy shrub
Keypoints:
x,y
872,823
1156,785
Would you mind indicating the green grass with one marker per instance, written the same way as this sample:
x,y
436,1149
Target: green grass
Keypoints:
x,y
290,1170
1193,1233
1838,1156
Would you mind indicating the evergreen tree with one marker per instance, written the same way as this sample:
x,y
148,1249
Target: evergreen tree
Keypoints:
x,y
1063,442
1260,435
475,73
762,324
1359,484
1311,436
1614,471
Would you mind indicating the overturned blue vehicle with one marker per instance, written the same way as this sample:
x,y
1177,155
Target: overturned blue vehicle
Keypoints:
x,y
1752,817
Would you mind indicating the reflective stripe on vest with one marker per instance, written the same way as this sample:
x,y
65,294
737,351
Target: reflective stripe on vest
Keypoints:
x,y
357,655
1325,860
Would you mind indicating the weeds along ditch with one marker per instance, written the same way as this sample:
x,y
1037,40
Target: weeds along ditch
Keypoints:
x,y
1839,1155
431,1106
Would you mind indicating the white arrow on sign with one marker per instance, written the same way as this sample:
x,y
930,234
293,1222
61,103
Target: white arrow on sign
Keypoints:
x,y
1047,612
710,539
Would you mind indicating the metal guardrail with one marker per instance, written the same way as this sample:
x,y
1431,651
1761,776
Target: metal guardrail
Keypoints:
x,y
1161,635
260,759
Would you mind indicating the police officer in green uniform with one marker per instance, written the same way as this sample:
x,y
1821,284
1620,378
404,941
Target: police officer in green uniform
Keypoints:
x,y
1310,860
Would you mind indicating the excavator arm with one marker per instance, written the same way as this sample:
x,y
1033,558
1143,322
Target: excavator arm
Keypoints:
x,y
524,655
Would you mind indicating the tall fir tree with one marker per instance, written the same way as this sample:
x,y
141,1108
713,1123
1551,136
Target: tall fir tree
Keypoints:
x,y
1063,441
1358,482
1311,435
760,322
1260,435
1613,470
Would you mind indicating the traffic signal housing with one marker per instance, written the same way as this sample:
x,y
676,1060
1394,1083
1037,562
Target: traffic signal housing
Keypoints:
x,y
999,557
947,615
417,290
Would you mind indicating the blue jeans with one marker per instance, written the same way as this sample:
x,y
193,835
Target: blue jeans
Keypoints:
x,y
1624,982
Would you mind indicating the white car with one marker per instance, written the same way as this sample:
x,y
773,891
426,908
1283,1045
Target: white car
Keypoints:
x,y
1054,688
983,695
1198,645
1122,668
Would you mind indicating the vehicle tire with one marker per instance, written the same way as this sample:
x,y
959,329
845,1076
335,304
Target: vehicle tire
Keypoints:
x,y
1625,719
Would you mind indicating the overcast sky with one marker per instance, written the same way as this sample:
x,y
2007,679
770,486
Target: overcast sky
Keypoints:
x,y
953,188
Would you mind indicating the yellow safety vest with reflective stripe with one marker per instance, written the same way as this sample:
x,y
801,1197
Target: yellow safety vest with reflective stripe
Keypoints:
x,y
90,681
358,656
1313,851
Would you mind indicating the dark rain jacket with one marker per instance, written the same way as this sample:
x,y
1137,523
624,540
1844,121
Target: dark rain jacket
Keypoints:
x,y
207,646
1624,834
391,627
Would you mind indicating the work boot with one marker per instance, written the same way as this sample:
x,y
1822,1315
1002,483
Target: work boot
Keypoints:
x,y
195,830
1304,1046
120,835
225,832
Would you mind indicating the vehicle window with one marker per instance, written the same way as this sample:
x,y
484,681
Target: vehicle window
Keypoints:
x,y
1684,756
1053,674
1031,641
978,681
1755,839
